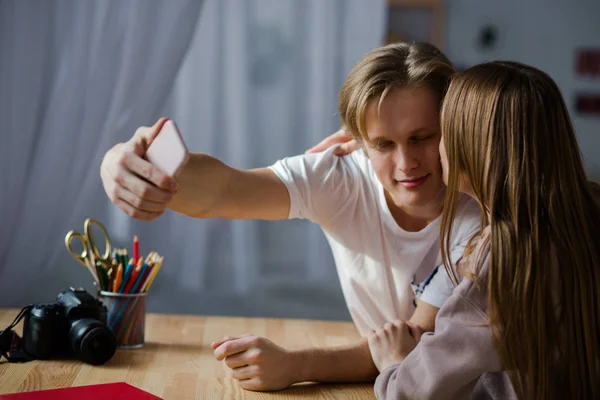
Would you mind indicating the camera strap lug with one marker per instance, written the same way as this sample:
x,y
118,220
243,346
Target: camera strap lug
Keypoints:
x,y
12,348
11,345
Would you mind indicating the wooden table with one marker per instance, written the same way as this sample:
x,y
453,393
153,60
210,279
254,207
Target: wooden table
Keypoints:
x,y
178,363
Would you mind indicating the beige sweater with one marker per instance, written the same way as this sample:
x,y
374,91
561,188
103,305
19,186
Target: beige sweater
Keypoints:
x,y
459,359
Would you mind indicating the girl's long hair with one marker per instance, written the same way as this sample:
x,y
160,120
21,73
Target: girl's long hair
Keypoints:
x,y
507,132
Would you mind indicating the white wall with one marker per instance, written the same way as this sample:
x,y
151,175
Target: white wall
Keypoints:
x,y
543,33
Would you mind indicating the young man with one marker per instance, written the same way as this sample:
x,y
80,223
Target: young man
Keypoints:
x,y
380,210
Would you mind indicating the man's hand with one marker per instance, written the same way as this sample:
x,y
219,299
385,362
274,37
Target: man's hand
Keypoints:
x,y
391,343
347,144
133,184
256,362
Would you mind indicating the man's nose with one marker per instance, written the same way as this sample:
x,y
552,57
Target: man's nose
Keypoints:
x,y
406,159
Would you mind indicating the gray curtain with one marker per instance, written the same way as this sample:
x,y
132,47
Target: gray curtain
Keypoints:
x,y
258,82
76,77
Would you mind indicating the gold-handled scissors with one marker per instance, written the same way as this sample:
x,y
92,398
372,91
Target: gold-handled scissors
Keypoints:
x,y
90,253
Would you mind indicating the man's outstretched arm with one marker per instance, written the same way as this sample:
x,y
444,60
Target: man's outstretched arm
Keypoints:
x,y
205,188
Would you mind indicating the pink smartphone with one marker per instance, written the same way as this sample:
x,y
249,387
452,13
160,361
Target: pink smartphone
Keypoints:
x,y
168,151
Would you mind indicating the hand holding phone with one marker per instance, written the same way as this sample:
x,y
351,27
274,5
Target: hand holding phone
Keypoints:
x,y
168,151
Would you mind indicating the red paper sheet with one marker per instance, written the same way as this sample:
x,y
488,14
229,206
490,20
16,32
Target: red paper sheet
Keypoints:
x,y
113,391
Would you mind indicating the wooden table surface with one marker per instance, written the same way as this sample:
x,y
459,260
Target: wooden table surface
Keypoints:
x,y
178,363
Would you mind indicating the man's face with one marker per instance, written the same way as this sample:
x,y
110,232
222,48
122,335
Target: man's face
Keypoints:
x,y
404,141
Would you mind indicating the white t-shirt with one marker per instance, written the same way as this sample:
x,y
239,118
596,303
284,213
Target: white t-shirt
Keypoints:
x,y
378,262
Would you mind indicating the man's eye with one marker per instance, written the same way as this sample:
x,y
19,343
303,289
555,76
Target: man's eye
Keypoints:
x,y
383,145
421,138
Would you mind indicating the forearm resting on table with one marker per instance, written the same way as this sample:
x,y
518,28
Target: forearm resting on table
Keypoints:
x,y
208,188
352,363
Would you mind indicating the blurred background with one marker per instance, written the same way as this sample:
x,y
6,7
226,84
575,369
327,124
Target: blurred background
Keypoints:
x,y
248,81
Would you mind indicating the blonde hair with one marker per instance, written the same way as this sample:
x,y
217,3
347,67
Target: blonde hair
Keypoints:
x,y
507,132
386,68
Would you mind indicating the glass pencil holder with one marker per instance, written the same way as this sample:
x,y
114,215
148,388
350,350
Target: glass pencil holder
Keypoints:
x,y
126,317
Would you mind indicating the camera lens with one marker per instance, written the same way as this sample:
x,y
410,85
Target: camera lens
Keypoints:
x,y
92,341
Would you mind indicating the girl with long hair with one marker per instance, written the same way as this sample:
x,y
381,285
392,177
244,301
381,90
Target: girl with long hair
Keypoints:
x,y
525,319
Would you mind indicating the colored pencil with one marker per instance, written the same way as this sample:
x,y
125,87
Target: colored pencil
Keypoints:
x,y
136,249
138,279
133,277
118,278
155,272
126,275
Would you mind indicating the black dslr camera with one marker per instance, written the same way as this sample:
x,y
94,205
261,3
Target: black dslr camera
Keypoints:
x,y
75,325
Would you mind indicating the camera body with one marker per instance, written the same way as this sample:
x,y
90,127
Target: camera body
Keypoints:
x,y
75,325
